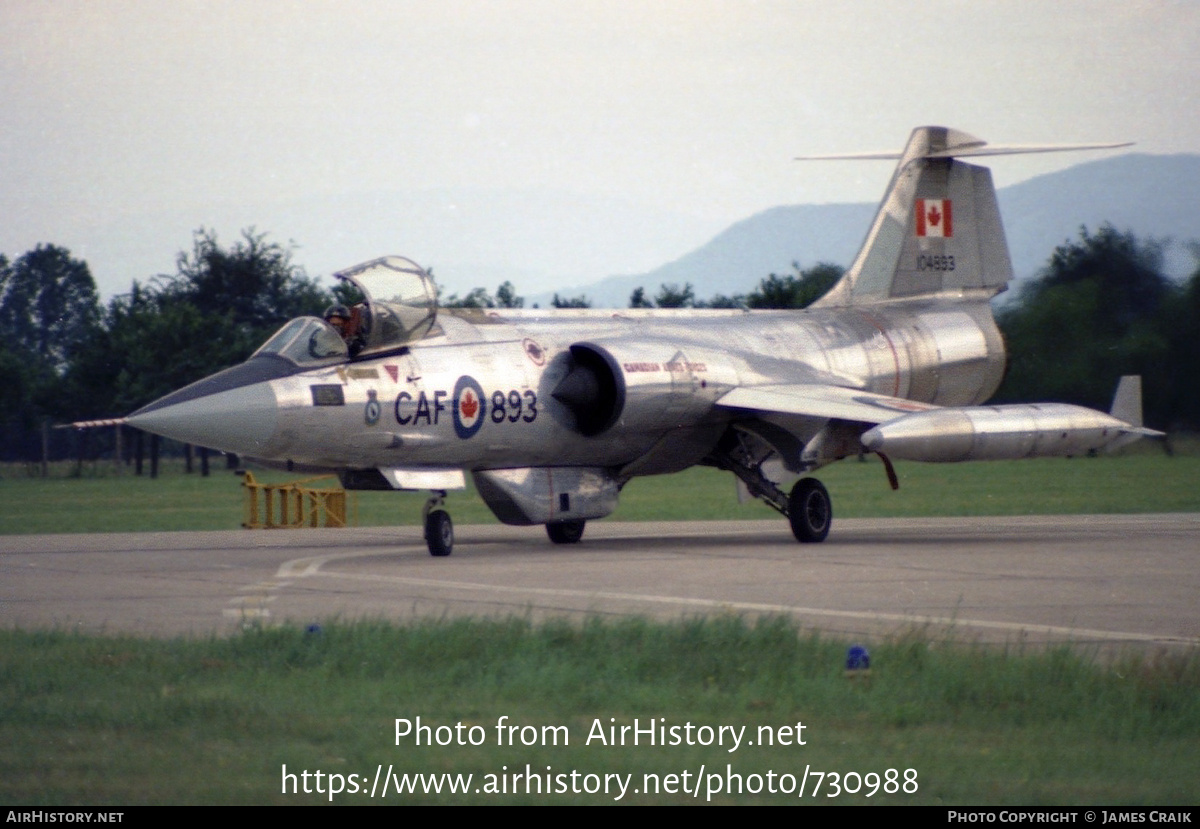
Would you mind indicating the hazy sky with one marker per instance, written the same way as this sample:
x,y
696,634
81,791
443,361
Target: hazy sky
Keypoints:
x,y
112,113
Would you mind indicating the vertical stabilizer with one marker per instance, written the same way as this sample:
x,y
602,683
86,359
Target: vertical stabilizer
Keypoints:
x,y
937,231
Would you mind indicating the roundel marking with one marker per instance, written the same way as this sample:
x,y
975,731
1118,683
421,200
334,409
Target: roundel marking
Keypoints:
x,y
534,352
469,406
373,410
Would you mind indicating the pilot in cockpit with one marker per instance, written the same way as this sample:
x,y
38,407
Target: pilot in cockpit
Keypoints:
x,y
347,323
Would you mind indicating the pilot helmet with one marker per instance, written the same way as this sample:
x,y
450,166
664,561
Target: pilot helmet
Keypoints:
x,y
337,311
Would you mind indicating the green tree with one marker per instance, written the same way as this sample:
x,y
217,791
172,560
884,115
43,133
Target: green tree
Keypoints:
x,y
1181,323
672,296
477,298
637,299
160,346
723,301
254,282
798,290
506,296
27,385
580,301
49,314
214,312
48,304
1095,312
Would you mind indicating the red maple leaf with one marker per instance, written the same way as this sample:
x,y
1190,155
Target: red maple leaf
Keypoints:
x,y
469,405
934,215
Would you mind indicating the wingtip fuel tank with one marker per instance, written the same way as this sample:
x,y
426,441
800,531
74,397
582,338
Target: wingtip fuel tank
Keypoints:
x,y
1010,432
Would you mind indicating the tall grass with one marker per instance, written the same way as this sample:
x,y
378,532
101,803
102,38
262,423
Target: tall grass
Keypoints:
x,y
116,720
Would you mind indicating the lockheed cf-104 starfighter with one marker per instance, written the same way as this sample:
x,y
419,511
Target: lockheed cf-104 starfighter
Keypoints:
x,y
552,412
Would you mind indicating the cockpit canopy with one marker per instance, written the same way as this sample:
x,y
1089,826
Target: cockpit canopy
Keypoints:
x,y
306,341
401,302
400,308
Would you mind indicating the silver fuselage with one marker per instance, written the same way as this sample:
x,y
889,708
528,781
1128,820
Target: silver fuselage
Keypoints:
x,y
401,409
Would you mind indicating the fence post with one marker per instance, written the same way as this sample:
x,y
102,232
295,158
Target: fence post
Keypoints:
x,y
45,448
117,453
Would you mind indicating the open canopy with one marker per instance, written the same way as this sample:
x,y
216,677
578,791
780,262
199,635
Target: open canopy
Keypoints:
x,y
401,301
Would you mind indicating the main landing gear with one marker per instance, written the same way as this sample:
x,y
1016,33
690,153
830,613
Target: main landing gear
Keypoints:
x,y
808,508
439,529
810,512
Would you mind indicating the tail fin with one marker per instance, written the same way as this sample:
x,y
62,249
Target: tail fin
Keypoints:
x,y
938,229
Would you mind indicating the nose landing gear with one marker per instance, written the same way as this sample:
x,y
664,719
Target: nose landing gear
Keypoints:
x,y
565,532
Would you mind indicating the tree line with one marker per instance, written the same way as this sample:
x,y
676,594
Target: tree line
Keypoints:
x,y
1101,307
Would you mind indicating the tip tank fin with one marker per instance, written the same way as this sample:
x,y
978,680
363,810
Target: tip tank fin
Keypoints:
x,y
1127,406
1127,402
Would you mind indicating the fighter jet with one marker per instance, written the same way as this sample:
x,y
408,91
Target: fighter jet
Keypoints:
x,y
553,412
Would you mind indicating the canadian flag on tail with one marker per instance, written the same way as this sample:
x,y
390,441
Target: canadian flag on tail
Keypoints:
x,y
934,218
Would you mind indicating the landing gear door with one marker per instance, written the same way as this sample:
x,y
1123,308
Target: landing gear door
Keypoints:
x,y
401,302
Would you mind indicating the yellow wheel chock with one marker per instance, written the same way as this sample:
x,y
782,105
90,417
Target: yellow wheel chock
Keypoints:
x,y
293,504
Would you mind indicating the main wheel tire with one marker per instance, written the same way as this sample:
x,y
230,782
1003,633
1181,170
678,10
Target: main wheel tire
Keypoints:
x,y
439,533
810,511
565,532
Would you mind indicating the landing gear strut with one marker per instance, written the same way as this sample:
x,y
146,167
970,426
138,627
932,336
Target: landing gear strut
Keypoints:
x,y
439,529
808,508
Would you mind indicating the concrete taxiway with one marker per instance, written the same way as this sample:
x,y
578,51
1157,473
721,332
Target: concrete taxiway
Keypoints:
x,y
1105,580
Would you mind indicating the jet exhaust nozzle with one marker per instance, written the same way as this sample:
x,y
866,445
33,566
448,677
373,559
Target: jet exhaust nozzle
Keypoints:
x,y
593,389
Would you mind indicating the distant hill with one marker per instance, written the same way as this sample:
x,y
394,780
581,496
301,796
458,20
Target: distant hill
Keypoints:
x,y
736,259
1152,195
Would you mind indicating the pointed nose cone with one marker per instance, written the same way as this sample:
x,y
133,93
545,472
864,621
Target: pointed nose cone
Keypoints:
x,y
234,411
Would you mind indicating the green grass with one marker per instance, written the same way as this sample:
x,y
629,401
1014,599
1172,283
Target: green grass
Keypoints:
x,y
113,720
1146,480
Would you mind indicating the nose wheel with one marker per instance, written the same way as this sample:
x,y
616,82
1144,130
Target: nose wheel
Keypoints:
x,y
565,532
439,529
